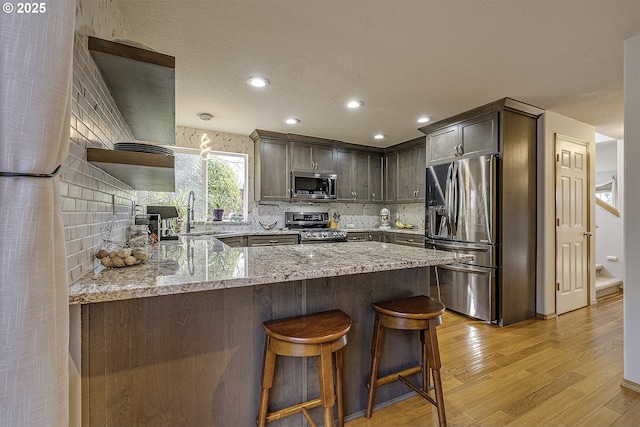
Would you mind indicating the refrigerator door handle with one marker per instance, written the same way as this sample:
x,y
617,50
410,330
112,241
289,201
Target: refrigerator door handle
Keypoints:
x,y
465,268
451,199
440,246
455,200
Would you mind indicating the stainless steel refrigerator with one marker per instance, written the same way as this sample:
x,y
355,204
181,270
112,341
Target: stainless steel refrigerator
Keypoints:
x,y
461,218
481,199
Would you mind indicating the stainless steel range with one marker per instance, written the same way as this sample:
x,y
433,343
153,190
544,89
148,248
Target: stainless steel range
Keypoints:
x,y
313,227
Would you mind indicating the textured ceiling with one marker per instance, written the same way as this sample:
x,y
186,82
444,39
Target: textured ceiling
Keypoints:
x,y
402,58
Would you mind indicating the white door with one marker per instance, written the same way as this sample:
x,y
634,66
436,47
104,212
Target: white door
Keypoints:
x,y
572,226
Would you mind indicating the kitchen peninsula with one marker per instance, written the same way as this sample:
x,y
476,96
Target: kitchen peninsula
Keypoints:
x,y
179,340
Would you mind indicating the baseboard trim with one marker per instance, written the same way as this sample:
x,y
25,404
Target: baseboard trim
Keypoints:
x,y
630,385
546,316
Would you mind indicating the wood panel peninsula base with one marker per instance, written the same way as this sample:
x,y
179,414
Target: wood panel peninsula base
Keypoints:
x,y
195,358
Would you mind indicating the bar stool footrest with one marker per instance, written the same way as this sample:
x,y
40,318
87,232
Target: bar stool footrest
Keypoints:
x,y
395,376
294,409
418,390
307,415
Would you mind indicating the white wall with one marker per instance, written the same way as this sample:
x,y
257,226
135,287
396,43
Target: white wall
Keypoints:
x,y
609,238
609,234
632,212
550,124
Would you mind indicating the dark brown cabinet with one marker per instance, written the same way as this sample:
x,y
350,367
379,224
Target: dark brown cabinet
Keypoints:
x,y
305,157
406,239
376,178
471,138
272,239
272,178
234,241
405,174
364,236
353,170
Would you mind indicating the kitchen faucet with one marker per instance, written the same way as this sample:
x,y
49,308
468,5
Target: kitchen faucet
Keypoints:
x,y
190,216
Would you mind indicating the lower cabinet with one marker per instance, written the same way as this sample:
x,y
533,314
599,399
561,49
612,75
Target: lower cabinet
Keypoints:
x,y
234,241
259,240
272,240
406,239
363,236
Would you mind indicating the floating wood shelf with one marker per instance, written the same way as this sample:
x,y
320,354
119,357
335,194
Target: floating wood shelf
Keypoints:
x,y
142,83
141,171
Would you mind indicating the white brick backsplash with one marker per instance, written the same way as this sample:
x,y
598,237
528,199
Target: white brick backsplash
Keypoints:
x,y
86,190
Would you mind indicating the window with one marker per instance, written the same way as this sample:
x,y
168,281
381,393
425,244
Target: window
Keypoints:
x,y
219,182
607,191
606,196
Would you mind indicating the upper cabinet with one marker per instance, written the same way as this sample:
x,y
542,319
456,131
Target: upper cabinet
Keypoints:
x,y
472,133
272,178
359,175
405,176
471,138
376,178
311,157
142,83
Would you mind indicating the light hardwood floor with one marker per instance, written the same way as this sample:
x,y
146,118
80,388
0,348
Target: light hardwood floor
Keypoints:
x,y
541,373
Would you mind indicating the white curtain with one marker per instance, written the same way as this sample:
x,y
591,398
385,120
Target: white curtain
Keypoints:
x,y
36,67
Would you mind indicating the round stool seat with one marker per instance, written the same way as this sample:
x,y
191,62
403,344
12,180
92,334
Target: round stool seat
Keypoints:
x,y
315,328
420,307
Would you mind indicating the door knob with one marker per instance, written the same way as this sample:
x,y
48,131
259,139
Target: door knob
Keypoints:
x,y
588,234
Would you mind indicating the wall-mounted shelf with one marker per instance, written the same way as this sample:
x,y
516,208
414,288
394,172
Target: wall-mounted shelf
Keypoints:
x,y
142,83
141,171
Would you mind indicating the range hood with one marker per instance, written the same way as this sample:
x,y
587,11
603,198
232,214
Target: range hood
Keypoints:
x,y
142,83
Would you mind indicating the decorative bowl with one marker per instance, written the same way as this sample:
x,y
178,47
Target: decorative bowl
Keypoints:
x,y
267,226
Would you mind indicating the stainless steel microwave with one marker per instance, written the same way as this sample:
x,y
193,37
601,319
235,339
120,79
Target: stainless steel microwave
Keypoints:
x,y
313,186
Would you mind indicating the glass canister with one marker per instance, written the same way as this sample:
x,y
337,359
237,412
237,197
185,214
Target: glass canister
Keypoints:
x,y
139,235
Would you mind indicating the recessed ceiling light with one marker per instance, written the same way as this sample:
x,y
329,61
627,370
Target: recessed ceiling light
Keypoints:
x,y
423,119
379,136
292,121
257,81
354,104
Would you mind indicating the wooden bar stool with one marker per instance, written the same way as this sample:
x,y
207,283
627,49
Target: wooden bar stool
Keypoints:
x,y
319,334
414,313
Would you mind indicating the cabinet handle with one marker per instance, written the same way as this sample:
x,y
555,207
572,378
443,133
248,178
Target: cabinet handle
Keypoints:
x,y
273,241
410,240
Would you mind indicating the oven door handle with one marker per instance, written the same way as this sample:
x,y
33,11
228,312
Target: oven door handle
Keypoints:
x,y
466,268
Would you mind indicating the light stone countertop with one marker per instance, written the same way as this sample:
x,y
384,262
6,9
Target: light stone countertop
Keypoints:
x,y
200,263
278,232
